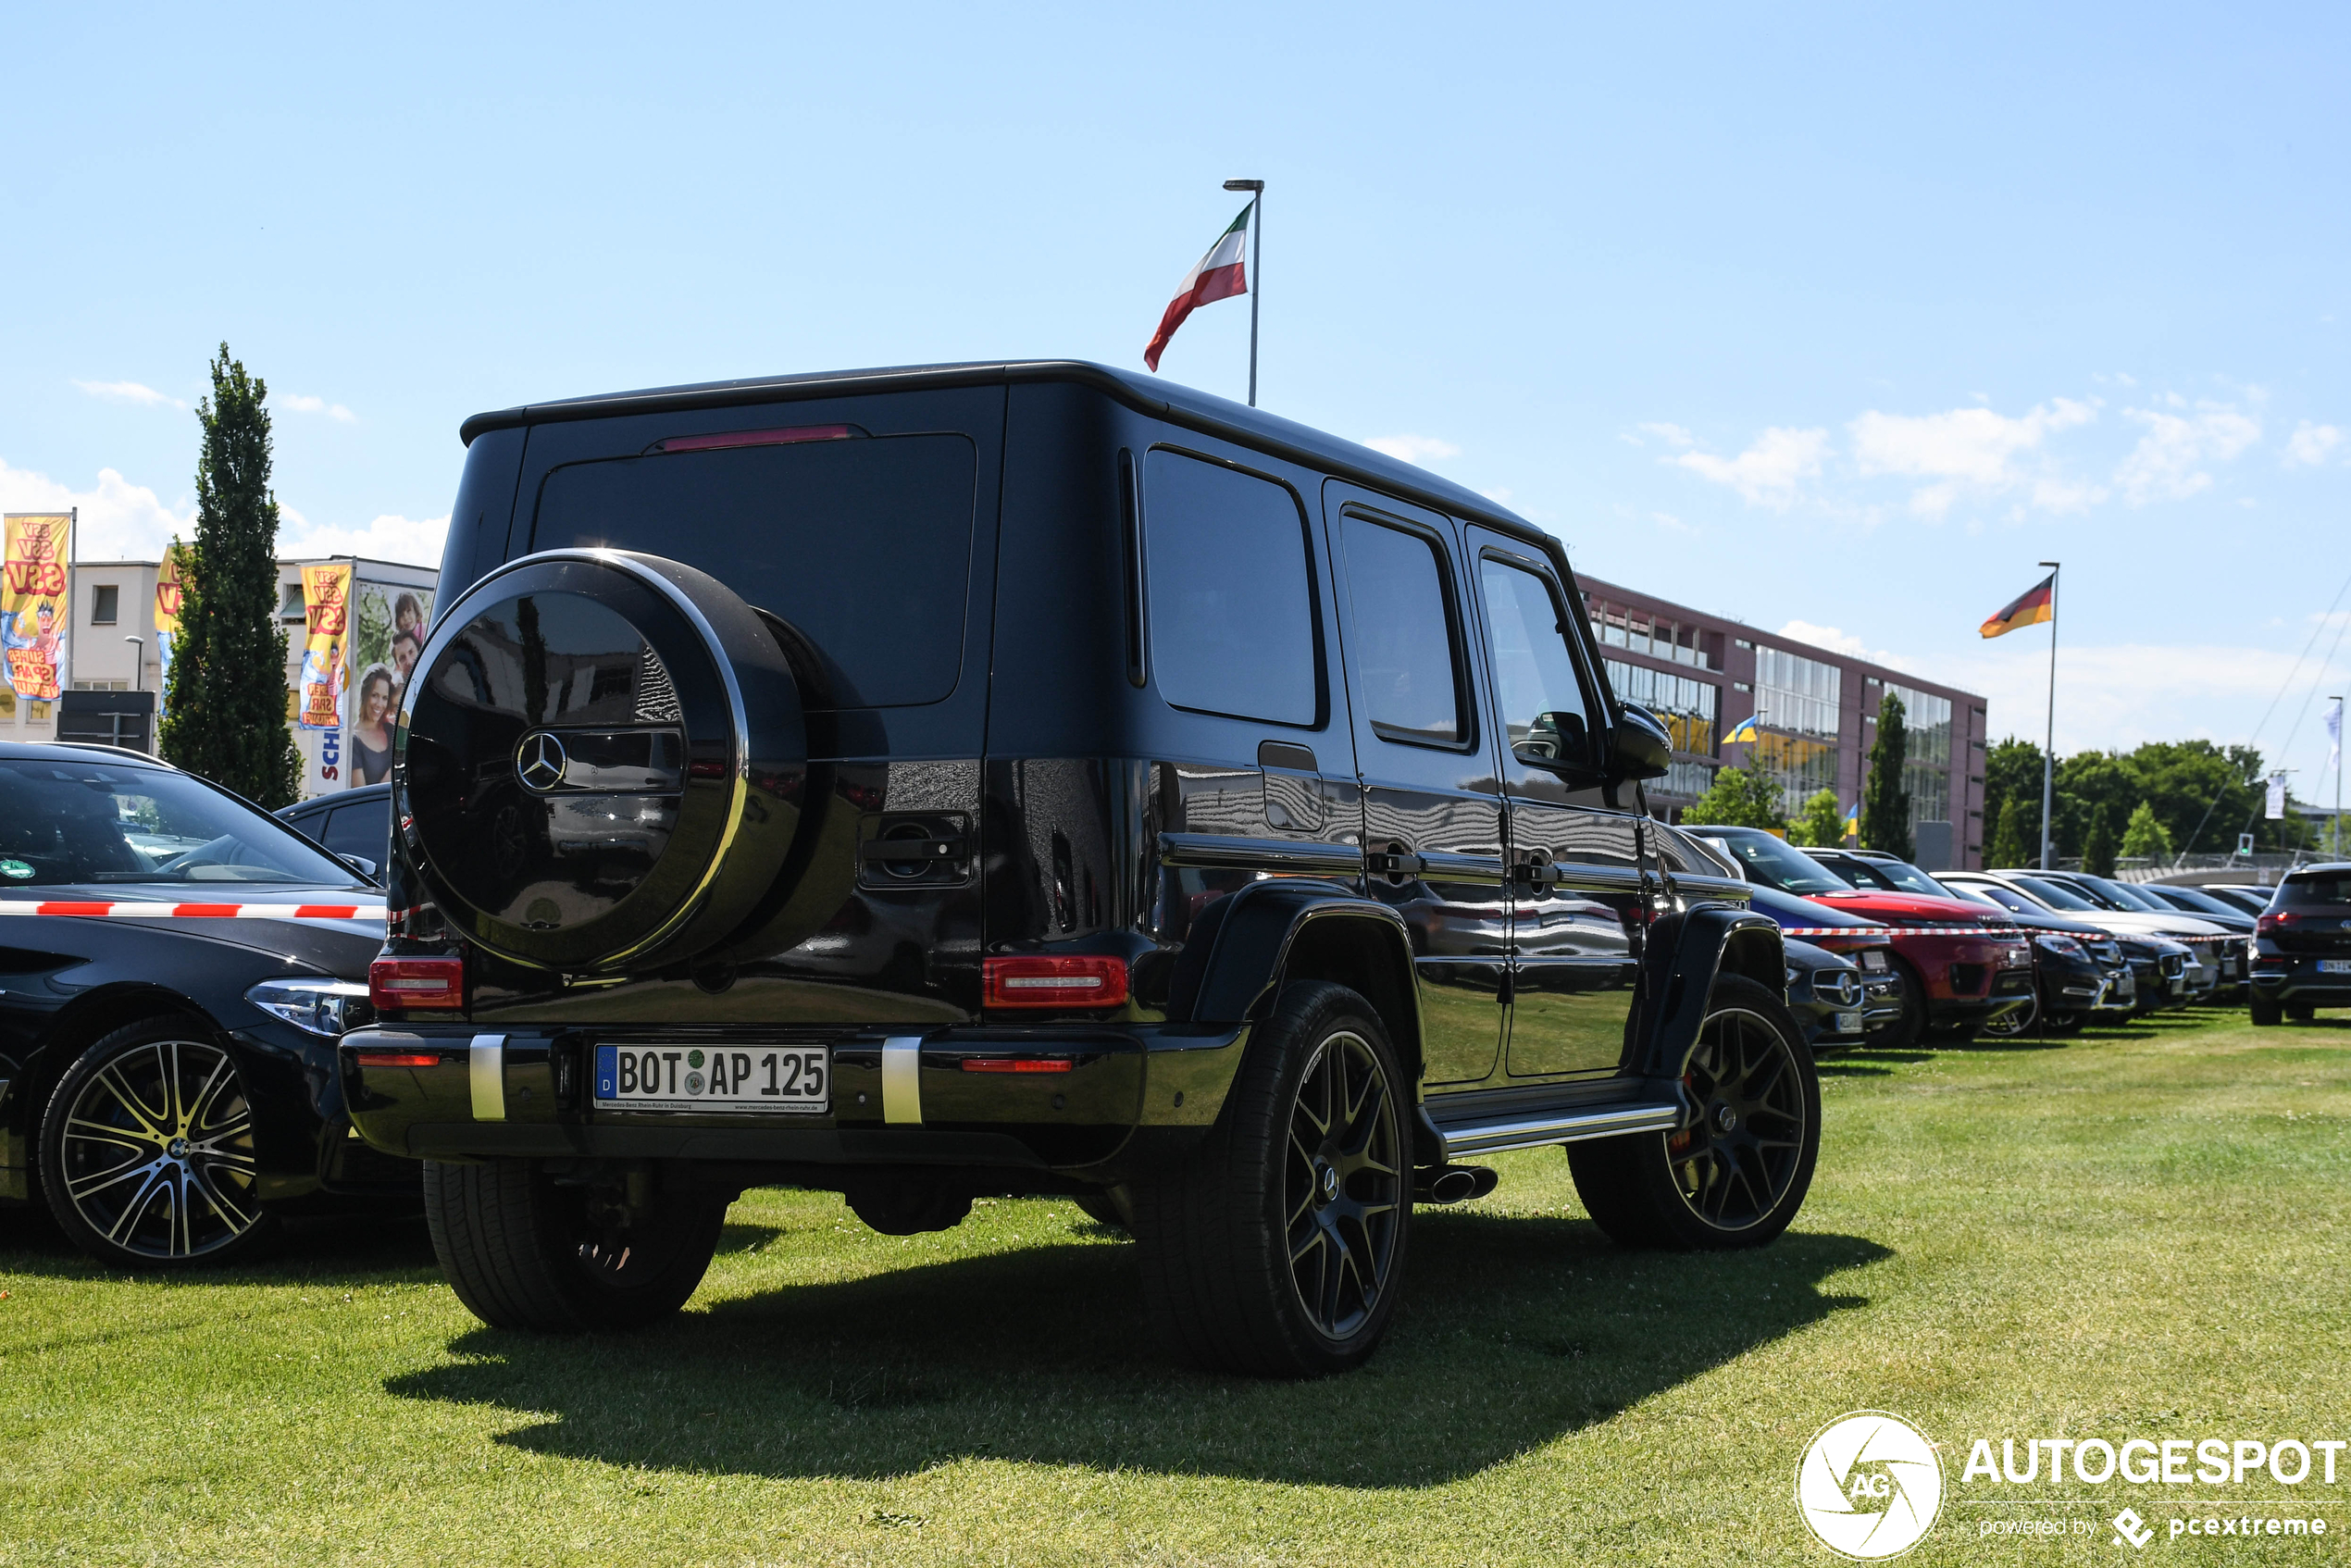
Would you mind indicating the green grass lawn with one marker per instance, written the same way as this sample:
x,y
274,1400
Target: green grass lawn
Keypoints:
x,y
2136,1232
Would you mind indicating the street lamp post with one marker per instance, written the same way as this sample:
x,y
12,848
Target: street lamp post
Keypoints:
x,y
138,663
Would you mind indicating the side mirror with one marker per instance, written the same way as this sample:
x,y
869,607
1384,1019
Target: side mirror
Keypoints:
x,y
1639,747
362,864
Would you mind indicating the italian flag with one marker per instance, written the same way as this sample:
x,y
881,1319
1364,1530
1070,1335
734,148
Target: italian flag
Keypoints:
x,y
1221,274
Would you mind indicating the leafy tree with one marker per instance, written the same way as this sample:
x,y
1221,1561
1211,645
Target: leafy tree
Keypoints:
x,y
2097,844
2144,838
1739,797
2010,847
226,700
2013,778
1822,824
1886,805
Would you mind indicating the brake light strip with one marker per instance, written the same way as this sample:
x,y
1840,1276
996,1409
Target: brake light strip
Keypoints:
x,y
128,911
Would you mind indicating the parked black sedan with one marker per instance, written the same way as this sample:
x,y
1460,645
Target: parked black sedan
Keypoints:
x,y
1890,1012
2079,970
176,966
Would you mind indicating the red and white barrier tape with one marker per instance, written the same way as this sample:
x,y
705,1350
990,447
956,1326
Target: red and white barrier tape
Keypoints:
x,y
2008,932
195,911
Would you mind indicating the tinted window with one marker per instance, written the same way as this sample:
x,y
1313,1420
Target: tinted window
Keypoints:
x,y
1401,638
1767,861
2004,897
64,822
362,827
2053,895
865,545
2299,892
1533,674
1232,610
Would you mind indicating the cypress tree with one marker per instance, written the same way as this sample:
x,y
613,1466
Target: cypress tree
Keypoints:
x,y
226,700
2008,848
1886,805
2097,844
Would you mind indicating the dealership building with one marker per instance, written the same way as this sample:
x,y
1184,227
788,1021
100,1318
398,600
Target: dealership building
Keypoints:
x,y
1815,712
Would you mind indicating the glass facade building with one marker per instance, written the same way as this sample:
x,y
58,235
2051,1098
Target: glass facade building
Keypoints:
x,y
1926,764
1798,708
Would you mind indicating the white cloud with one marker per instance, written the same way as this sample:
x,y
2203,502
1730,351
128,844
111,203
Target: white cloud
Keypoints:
x,y
130,391
2311,445
1836,640
1670,523
1672,435
2165,466
388,538
120,521
1767,472
297,404
1969,448
2115,696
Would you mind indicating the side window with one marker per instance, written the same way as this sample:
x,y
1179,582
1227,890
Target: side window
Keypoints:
x,y
1401,634
362,828
1232,604
1543,709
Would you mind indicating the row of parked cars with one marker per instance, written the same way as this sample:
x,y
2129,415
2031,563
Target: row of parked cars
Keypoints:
x,y
978,780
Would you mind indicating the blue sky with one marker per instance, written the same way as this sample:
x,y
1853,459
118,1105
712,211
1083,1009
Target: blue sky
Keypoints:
x,y
1835,320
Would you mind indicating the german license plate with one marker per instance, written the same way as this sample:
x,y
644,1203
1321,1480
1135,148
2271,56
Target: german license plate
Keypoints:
x,y
1847,1023
789,1079
2334,966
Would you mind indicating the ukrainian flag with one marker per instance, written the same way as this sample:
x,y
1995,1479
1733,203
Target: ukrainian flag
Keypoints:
x,y
1853,821
1743,730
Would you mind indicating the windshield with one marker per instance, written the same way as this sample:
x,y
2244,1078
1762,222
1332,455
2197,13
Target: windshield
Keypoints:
x,y
1897,875
1773,865
2202,903
1992,893
68,821
2055,896
2121,895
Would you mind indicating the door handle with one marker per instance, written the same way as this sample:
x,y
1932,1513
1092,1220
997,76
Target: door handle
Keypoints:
x,y
1533,868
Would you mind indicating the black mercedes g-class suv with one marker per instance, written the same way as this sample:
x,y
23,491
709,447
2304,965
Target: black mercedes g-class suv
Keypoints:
x,y
1032,779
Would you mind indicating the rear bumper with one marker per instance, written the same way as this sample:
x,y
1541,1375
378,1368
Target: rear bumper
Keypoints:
x,y
2302,982
1130,1097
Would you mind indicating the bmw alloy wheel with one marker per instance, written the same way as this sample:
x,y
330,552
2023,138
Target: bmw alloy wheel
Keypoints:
x,y
157,1151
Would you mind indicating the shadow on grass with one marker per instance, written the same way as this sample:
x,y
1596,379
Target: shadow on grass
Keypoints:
x,y
1513,1331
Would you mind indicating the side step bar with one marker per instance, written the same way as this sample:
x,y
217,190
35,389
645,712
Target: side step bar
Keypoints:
x,y
1464,1138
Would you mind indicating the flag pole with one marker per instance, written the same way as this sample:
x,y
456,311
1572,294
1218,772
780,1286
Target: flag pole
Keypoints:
x,y
1256,189
2338,779
2048,750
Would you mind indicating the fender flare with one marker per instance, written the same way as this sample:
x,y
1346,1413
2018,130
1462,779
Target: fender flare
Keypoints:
x,y
1259,931
1687,951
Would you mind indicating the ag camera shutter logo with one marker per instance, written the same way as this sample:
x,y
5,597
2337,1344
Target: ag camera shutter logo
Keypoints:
x,y
1869,1485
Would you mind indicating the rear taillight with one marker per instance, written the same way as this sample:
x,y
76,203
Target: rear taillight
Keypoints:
x,y
1017,1065
397,1058
2270,923
413,984
1036,981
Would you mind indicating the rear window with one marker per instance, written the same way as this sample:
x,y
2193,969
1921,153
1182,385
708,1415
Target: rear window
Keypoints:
x,y
1232,606
2299,892
862,545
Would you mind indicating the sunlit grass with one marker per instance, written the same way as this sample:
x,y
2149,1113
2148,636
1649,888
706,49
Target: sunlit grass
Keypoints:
x,y
2138,1229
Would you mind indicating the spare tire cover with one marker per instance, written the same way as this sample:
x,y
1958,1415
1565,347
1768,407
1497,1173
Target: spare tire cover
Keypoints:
x,y
601,763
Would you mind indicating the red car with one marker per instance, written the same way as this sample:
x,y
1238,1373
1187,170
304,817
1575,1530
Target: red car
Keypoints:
x,y
1968,965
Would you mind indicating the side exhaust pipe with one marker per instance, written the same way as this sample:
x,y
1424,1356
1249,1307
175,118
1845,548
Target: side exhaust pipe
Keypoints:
x,y
1455,1184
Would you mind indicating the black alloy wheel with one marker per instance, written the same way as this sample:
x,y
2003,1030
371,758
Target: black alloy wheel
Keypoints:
x,y
1343,1192
1736,1170
147,1149
1277,1247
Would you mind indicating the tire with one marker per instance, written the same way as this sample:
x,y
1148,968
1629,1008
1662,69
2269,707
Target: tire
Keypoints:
x,y
2264,1014
1110,1207
1706,1185
2301,1012
2063,1022
147,1154
1277,1247
525,1251
1905,1031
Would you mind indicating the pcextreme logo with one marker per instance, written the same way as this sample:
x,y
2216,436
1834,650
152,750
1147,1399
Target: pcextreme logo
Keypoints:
x,y
1869,1485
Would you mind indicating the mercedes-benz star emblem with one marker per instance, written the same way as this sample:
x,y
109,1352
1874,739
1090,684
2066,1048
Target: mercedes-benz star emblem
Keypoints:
x,y
539,761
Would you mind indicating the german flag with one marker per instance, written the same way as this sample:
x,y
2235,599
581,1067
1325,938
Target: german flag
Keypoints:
x,y
2030,608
